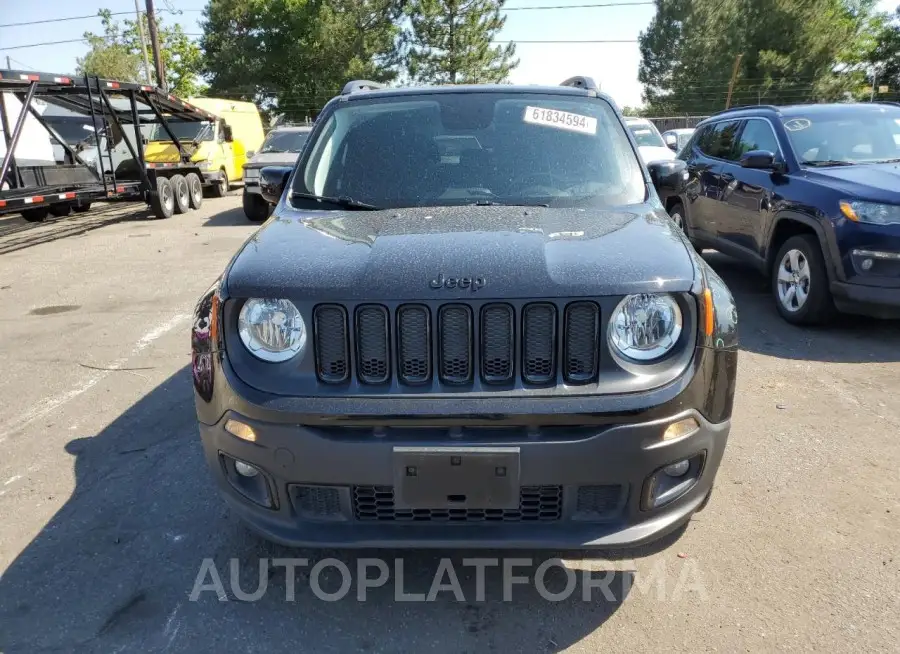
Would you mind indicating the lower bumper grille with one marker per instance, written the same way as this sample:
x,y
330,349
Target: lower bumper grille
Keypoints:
x,y
536,504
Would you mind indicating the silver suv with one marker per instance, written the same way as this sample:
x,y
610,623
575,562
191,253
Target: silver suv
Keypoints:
x,y
280,148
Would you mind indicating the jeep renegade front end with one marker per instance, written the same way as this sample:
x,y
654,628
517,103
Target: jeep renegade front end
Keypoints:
x,y
468,322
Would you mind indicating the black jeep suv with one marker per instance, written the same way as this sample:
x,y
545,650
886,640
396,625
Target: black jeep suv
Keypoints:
x,y
469,321
810,194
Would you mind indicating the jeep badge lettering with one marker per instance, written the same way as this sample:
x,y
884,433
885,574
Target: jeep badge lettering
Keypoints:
x,y
473,283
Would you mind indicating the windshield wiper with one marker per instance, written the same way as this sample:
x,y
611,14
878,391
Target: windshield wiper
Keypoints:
x,y
828,162
343,202
492,203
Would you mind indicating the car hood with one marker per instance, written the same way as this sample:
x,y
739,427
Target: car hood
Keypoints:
x,y
272,159
518,252
868,181
653,153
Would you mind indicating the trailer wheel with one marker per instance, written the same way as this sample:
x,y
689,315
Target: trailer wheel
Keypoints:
x,y
61,209
81,206
195,190
180,191
162,200
220,188
36,215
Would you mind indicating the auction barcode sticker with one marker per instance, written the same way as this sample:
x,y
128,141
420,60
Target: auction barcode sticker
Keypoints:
x,y
560,120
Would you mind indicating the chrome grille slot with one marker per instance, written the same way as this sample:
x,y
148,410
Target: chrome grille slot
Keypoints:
x,y
332,349
581,342
414,344
455,333
539,343
372,345
497,343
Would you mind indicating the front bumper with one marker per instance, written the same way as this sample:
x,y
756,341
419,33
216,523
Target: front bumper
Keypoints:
x,y
875,301
335,466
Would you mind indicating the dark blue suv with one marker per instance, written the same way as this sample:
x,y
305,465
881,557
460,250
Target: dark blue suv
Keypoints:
x,y
809,194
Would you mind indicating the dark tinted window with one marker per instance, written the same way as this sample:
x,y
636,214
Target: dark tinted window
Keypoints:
x,y
462,148
758,135
718,140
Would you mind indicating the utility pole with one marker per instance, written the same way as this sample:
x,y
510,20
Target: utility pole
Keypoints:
x,y
8,65
154,45
734,73
140,22
874,84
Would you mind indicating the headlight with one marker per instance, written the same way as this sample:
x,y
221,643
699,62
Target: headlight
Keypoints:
x,y
871,212
273,330
645,327
251,173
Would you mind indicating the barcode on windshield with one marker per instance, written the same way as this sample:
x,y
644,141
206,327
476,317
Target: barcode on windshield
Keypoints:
x,y
560,120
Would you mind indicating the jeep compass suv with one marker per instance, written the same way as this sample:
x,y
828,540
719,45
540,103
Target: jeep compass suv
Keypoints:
x,y
469,321
810,195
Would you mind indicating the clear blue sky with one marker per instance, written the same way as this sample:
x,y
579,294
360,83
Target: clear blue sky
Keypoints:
x,y
613,65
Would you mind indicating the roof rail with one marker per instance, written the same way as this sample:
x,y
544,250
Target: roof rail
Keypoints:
x,y
770,107
360,85
580,82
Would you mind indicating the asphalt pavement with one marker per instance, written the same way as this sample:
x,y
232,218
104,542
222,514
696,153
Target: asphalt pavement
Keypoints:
x,y
113,537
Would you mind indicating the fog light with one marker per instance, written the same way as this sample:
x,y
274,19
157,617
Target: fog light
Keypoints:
x,y
866,264
239,429
680,429
678,469
246,470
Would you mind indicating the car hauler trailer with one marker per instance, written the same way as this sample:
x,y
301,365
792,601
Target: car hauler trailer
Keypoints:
x,y
38,186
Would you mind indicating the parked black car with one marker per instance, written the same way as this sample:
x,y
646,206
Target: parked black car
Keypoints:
x,y
810,195
469,321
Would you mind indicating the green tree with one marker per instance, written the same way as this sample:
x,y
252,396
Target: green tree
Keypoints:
x,y
117,54
109,56
292,56
450,42
882,59
790,52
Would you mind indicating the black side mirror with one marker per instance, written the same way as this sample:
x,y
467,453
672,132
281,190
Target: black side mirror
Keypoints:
x,y
760,160
272,180
668,177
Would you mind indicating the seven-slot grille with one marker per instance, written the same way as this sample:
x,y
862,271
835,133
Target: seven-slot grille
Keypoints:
x,y
456,342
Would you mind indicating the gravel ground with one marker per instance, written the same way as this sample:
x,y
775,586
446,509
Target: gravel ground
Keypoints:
x,y
108,512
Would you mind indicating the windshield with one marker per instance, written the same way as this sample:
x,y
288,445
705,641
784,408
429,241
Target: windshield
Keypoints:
x,y
284,141
455,148
184,130
852,135
646,135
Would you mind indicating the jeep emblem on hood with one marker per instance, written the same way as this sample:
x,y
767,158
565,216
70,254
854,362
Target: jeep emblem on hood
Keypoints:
x,y
473,283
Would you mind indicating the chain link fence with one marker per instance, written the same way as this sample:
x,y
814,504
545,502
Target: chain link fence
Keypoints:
x,y
666,123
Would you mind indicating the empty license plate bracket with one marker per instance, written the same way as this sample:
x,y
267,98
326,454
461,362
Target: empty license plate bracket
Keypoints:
x,y
456,477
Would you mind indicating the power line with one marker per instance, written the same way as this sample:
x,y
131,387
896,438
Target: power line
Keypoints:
x,y
171,10
68,18
592,6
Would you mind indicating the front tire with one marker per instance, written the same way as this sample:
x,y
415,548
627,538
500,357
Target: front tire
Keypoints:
x,y
220,188
255,208
800,282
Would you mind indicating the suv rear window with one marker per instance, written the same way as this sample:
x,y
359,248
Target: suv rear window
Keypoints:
x,y
464,148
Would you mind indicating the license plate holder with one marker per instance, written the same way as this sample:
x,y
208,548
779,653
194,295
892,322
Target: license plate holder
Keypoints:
x,y
456,477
